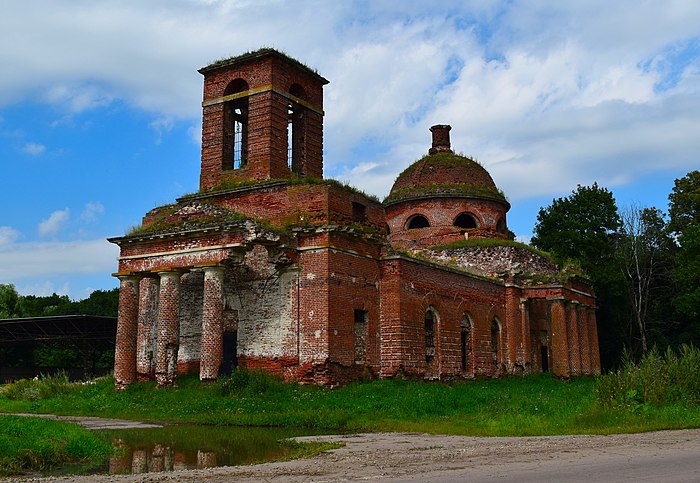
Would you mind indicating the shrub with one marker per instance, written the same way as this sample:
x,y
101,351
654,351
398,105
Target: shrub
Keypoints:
x,y
44,387
655,380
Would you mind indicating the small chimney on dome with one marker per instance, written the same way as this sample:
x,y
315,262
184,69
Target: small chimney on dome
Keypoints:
x,y
441,139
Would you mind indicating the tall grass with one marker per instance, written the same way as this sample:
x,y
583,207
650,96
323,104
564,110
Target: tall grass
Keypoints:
x,y
43,387
32,444
656,379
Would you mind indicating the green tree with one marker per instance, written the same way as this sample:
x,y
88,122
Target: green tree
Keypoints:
x,y
580,227
100,302
584,227
684,203
688,274
8,301
41,306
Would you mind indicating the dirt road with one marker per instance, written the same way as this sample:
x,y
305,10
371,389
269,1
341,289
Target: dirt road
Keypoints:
x,y
659,456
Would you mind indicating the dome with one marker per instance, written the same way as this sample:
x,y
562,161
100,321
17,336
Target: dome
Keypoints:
x,y
442,173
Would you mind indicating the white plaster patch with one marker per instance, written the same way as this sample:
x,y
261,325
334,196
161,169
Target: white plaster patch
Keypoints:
x,y
317,334
310,276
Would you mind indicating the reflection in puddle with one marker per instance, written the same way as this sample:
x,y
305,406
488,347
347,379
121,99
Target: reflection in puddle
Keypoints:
x,y
189,447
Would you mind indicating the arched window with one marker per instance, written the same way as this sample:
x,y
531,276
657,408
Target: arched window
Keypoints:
x,y
501,226
465,329
296,130
417,221
235,151
429,324
465,220
495,339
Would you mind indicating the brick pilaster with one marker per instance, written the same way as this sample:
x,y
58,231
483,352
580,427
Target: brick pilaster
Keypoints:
x,y
584,336
593,341
125,345
525,326
573,338
560,349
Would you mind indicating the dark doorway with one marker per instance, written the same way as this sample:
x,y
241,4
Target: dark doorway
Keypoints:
x,y
545,358
230,360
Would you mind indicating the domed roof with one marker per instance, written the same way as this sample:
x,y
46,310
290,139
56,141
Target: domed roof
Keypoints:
x,y
443,173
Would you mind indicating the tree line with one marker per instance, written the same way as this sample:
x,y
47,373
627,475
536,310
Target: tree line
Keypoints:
x,y
644,264
13,305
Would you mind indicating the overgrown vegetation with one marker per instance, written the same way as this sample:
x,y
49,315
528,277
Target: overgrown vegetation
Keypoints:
x,y
44,387
657,379
533,405
32,444
236,183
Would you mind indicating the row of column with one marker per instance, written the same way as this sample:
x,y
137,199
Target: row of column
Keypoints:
x,y
148,303
574,339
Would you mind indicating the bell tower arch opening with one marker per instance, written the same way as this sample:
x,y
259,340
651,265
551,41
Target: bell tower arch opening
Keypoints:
x,y
235,125
262,120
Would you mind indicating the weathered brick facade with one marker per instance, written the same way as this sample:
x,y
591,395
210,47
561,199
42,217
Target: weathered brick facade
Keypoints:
x,y
270,266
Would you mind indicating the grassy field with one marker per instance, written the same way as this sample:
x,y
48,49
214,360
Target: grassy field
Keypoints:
x,y
533,405
661,391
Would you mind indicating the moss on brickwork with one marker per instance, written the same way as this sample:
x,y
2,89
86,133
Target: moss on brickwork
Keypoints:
x,y
178,217
469,190
252,54
445,173
232,184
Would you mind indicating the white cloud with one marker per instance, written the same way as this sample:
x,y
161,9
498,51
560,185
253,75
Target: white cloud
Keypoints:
x,y
44,289
54,222
34,149
162,125
8,236
545,94
91,211
49,259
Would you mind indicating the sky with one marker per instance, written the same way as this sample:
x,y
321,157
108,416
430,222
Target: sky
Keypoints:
x,y
100,105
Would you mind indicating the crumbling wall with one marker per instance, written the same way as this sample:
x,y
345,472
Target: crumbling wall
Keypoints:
x,y
191,299
262,296
490,260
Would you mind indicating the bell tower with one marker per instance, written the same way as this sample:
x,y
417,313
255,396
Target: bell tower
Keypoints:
x,y
262,119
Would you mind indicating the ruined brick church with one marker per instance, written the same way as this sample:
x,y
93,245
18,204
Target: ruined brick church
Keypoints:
x,y
270,266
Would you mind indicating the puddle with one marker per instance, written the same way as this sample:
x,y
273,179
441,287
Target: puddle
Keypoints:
x,y
189,447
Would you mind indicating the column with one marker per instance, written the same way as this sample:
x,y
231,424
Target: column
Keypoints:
x,y
593,341
148,321
168,328
212,351
527,342
584,337
572,336
512,330
560,349
127,321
